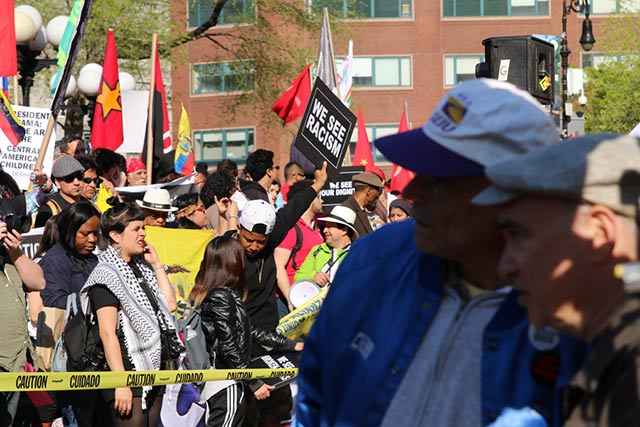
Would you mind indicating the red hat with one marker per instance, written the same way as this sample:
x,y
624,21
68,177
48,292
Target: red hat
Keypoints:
x,y
135,164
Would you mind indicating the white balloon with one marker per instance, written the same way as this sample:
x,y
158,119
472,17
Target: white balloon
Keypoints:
x,y
92,66
55,29
33,14
25,27
89,82
39,42
71,87
127,82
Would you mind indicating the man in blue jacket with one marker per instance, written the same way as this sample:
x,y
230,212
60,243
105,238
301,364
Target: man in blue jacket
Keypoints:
x,y
418,328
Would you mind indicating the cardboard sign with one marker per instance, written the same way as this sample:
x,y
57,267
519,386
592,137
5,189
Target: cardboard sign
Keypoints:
x,y
19,161
326,128
277,361
339,186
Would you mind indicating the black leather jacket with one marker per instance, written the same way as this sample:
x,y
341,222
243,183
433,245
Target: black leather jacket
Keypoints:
x,y
229,333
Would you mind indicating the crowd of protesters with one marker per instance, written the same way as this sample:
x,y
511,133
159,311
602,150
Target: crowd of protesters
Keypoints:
x,y
98,259
494,291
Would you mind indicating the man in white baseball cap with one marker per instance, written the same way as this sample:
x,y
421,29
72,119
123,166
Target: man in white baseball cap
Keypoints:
x,y
156,205
432,333
261,231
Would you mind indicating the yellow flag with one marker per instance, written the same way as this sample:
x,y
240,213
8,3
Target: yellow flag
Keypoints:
x,y
184,161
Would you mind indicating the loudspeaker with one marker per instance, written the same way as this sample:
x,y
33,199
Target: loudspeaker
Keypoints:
x,y
525,61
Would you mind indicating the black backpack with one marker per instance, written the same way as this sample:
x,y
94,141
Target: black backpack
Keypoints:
x,y
81,340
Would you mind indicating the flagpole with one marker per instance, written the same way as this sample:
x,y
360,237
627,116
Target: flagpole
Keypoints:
x,y
45,141
15,90
152,87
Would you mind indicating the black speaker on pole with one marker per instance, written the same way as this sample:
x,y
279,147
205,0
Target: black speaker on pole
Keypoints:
x,y
525,61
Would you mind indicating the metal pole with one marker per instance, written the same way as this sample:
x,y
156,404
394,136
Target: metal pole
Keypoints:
x,y
564,54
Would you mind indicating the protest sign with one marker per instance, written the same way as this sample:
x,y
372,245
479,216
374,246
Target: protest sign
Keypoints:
x,y
339,186
31,242
326,128
20,160
277,361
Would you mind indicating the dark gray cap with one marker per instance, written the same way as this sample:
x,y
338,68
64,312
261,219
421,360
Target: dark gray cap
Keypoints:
x,y
600,168
66,166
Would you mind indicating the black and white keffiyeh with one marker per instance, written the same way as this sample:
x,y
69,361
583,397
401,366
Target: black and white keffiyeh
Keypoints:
x,y
139,323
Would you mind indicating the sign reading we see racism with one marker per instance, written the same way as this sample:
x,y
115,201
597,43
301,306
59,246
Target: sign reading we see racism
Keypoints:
x,y
326,128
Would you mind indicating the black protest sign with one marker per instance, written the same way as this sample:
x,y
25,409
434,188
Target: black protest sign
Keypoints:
x,y
339,186
31,242
277,361
326,128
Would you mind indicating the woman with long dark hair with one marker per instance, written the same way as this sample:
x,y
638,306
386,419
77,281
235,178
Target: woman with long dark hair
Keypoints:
x,y
219,291
68,263
132,297
66,266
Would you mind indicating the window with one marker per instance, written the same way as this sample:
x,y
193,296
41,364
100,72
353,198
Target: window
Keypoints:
x,y
233,12
601,7
460,8
221,77
211,146
592,59
380,71
365,9
373,132
458,68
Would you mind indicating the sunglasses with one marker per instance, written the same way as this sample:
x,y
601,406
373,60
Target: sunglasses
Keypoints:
x,y
96,181
70,178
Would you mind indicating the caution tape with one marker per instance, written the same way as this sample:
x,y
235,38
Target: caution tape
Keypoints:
x,y
54,381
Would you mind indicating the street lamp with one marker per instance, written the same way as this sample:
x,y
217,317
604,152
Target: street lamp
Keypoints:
x,y
31,40
586,41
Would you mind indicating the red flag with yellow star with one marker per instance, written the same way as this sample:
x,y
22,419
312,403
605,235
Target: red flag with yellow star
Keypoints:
x,y
363,156
107,118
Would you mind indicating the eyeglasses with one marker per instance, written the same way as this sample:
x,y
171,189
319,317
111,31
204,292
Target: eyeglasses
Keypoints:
x,y
96,181
70,178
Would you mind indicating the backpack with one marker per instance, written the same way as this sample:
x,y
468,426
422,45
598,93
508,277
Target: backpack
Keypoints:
x,y
55,207
81,340
189,328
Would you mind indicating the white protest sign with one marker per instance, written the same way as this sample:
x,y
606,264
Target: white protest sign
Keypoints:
x,y
19,161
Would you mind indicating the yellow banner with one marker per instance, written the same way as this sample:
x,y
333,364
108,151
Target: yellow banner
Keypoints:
x,y
182,251
297,324
35,381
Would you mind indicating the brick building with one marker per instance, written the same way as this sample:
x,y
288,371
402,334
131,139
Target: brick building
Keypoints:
x,y
409,51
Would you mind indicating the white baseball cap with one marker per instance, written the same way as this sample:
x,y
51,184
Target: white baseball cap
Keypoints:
x,y
478,123
258,216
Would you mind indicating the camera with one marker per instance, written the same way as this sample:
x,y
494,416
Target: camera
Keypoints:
x,y
22,223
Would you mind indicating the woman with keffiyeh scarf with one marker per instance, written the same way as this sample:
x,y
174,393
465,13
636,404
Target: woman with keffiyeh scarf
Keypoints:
x,y
133,300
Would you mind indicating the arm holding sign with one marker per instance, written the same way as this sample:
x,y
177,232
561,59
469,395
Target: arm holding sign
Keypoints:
x,y
287,217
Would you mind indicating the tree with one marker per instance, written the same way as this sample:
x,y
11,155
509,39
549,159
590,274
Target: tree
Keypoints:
x,y
613,87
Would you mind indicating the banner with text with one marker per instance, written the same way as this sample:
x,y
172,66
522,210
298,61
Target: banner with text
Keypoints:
x,y
339,186
19,161
326,128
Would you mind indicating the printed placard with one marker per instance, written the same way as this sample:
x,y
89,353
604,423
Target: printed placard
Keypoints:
x,y
326,128
19,161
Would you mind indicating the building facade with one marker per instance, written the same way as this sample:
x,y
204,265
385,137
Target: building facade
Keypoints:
x,y
406,52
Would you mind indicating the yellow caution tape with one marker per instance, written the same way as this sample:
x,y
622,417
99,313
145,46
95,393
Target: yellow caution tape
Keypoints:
x,y
35,381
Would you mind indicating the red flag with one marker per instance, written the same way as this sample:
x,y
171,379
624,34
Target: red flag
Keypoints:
x,y
363,156
160,126
292,103
400,177
8,59
107,118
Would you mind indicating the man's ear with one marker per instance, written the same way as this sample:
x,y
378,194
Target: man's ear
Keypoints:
x,y
606,228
